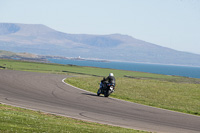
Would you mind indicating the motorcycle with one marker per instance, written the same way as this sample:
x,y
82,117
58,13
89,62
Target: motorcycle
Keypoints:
x,y
106,90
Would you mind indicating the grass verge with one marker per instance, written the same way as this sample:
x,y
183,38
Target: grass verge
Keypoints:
x,y
18,120
182,97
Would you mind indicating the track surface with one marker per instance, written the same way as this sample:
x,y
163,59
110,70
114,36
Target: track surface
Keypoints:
x,y
47,92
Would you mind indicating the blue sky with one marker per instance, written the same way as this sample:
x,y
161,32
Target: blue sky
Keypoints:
x,y
169,23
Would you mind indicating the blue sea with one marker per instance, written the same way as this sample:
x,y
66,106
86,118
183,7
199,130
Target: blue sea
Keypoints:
x,y
186,71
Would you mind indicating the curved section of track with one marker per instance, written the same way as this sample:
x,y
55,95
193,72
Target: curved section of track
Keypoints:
x,y
47,92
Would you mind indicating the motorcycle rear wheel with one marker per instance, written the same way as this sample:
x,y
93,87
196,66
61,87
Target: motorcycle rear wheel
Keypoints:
x,y
106,94
98,92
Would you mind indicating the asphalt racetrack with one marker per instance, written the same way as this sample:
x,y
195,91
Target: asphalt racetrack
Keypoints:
x,y
47,93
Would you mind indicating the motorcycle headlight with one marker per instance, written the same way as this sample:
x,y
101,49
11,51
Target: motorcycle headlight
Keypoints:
x,y
111,87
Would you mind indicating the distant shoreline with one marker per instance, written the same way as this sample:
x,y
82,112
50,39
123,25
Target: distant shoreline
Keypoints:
x,y
44,58
184,71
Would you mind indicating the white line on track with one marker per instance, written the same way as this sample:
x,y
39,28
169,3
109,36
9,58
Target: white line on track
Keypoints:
x,y
75,87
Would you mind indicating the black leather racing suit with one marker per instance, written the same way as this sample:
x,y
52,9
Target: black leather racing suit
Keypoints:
x,y
109,79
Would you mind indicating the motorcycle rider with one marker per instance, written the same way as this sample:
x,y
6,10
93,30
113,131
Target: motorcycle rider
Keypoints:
x,y
103,85
109,79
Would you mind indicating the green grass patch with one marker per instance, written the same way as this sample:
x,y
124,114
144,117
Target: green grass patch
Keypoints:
x,y
182,97
18,120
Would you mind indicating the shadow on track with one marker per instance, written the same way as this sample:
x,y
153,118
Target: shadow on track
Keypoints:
x,y
90,94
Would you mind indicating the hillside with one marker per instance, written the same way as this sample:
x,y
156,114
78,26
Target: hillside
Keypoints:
x,y
40,39
21,56
12,54
6,53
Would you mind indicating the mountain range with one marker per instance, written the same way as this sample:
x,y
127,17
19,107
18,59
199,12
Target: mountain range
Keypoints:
x,y
42,40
